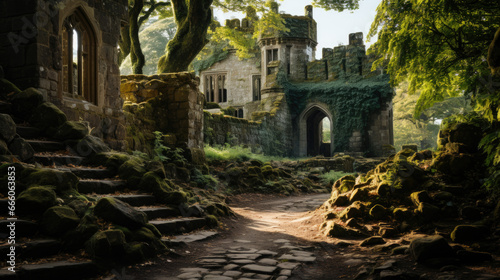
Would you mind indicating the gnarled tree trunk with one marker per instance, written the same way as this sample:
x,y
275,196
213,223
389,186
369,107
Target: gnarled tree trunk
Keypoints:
x,y
136,55
193,19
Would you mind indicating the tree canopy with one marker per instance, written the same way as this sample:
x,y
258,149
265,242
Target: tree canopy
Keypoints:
x,y
439,46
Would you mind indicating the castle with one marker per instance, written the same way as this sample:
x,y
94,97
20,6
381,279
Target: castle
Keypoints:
x,y
280,84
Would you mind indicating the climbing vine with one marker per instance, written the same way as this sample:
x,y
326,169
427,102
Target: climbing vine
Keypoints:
x,y
351,101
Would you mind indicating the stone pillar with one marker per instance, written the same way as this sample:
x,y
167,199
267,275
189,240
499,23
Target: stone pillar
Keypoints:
x,y
309,11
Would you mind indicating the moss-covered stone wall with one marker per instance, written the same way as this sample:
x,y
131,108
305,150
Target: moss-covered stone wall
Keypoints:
x,y
170,103
270,131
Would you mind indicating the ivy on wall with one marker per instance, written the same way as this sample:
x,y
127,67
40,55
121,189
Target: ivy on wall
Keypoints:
x,y
351,101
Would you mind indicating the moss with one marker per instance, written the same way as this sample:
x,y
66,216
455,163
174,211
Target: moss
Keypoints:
x,y
107,244
58,220
72,130
35,200
132,171
345,183
211,105
211,221
62,181
47,117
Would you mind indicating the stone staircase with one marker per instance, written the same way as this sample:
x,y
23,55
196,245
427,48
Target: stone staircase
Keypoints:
x,y
38,257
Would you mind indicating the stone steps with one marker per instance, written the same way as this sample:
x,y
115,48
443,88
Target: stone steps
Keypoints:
x,y
24,228
28,132
34,249
136,199
58,270
87,186
46,146
180,225
179,240
91,173
159,212
58,160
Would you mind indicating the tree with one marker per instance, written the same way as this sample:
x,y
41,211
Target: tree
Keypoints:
x,y
194,17
437,45
139,12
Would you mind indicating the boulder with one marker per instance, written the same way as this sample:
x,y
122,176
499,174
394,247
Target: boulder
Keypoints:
x,y
58,220
354,211
47,117
426,248
384,189
132,171
471,257
120,213
35,200
341,200
453,164
107,244
333,229
63,181
144,234
428,211
371,241
402,214
7,89
25,102
358,194
421,196
468,233
4,149
378,212
21,148
89,146
72,130
7,128
345,183
467,134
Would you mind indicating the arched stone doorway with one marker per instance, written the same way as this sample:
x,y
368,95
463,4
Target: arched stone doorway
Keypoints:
x,y
313,125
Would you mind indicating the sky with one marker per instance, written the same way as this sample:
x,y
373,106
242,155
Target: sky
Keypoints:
x,y
333,27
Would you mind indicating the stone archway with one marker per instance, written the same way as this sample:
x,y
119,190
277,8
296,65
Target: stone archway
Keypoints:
x,y
310,131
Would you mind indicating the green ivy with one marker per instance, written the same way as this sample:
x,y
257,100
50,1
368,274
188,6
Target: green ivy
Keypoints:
x,y
351,100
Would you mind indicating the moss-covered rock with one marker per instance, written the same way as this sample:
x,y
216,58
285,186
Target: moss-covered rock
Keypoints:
x,y
36,200
7,89
58,220
76,238
88,146
7,128
137,252
4,149
144,234
24,103
378,212
21,148
61,180
345,183
468,233
107,244
402,214
72,130
453,164
132,171
428,211
120,213
421,196
47,117
112,160
426,248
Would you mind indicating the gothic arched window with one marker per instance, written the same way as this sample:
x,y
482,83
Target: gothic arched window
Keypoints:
x,y
79,58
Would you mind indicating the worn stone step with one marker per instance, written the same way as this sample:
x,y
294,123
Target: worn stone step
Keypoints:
x,y
5,108
159,212
28,132
34,249
46,146
136,199
23,228
58,160
58,270
176,226
91,173
100,186
188,238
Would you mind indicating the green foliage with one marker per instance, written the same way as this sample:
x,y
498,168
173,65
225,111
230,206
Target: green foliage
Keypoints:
x,y
204,181
237,153
351,102
153,40
332,176
166,154
422,130
438,46
337,5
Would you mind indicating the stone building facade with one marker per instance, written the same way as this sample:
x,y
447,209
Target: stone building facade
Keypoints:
x,y
308,92
67,49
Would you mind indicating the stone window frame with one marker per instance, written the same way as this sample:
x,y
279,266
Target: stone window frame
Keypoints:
x,y
92,97
213,91
272,54
256,89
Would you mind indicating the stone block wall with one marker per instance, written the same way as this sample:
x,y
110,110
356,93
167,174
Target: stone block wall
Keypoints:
x,y
170,103
271,134
380,131
31,54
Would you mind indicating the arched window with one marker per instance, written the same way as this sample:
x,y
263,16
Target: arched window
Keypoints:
x,y
79,58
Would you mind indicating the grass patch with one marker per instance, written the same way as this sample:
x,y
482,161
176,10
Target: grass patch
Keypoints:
x,y
332,176
238,153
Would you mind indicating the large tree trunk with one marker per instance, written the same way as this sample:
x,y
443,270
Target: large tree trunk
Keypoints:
x,y
193,19
136,55
124,44
494,54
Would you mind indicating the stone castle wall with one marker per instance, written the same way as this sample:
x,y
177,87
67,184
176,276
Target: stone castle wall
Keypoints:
x,y
32,56
170,103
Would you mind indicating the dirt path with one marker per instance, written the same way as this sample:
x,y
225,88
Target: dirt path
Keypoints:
x,y
278,238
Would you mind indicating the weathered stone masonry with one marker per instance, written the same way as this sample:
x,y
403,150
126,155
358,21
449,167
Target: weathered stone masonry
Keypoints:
x,y
36,52
170,103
